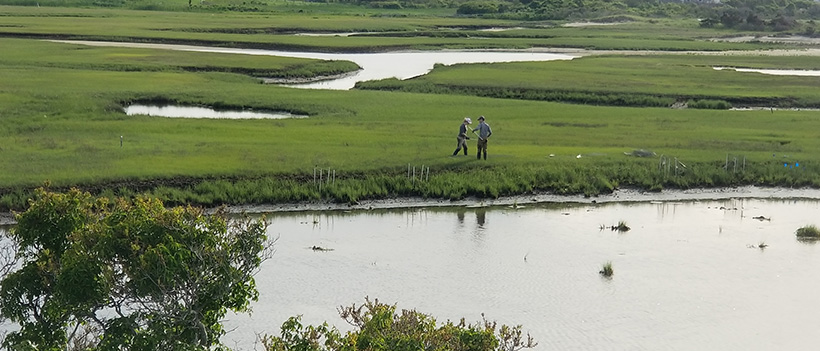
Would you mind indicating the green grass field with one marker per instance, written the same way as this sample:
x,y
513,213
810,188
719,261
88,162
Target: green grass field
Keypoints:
x,y
61,115
379,31
649,80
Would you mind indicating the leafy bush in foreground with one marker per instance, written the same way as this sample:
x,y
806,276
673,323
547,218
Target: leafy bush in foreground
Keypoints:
x,y
125,275
379,327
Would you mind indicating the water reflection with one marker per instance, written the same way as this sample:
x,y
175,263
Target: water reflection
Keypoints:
x,y
481,217
417,217
480,220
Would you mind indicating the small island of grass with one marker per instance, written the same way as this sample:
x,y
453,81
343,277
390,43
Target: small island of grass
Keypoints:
x,y
809,232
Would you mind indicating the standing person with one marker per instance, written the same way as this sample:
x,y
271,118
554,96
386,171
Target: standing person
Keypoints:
x,y
484,133
462,136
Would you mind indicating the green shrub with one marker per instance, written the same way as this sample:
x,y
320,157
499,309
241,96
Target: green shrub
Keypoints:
x,y
477,8
379,327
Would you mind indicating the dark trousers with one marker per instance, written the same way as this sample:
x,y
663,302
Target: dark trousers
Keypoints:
x,y
482,147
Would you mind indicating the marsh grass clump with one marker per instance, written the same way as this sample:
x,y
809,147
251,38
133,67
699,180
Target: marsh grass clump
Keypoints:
x,y
621,227
809,232
709,104
606,270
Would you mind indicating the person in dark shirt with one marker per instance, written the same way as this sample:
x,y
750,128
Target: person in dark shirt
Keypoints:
x,y
462,136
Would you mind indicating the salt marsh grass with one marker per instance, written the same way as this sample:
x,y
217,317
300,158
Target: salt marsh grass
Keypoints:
x,y
606,270
808,232
62,119
639,80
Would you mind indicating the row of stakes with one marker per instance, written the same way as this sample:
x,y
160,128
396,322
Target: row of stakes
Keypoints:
x,y
424,173
323,176
733,163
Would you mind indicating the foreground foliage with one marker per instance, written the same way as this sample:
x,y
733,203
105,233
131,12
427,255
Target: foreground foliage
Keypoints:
x,y
379,327
126,275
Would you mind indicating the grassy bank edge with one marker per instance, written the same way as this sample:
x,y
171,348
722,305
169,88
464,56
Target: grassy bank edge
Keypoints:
x,y
479,181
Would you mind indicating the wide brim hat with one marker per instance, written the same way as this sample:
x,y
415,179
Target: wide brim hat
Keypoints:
x,y
468,120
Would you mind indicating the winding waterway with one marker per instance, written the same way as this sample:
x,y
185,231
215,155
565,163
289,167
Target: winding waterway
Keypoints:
x,y
374,66
409,64
688,275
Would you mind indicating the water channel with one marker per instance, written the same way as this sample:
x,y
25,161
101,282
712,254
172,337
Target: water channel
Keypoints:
x,y
402,65
688,275
172,111
774,72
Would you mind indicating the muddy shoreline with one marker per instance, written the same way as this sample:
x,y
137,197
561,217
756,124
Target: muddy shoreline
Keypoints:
x,y
620,195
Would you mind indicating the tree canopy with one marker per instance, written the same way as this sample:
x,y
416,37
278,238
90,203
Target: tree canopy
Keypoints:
x,y
117,274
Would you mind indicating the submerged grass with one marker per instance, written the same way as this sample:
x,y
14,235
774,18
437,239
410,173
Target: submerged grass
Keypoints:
x,y
621,227
606,270
808,232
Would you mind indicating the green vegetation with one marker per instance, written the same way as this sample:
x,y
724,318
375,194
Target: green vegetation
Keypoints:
x,y
368,33
621,227
36,54
637,80
379,327
808,232
113,274
606,270
69,135
176,272
62,121
747,14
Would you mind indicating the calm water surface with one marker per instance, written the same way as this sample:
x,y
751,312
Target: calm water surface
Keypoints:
x,y
688,275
